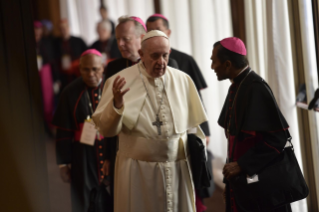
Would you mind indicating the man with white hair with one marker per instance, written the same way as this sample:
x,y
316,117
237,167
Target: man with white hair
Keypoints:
x,y
106,43
151,106
129,33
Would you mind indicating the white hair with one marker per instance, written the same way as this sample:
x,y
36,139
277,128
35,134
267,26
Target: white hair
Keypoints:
x,y
139,29
105,24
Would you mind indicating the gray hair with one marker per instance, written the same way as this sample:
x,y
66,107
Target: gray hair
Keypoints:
x,y
105,24
139,29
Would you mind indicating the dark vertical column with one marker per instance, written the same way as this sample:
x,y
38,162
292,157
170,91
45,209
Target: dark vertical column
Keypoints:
x,y
47,9
303,115
315,11
157,6
23,178
238,19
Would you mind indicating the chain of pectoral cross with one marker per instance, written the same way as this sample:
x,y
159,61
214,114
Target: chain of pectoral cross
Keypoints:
x,y
158,123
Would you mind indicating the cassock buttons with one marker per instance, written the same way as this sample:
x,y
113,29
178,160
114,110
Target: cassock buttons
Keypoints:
x,y
95,94
100,147
101,161
102,176
101,154
102,170
96,102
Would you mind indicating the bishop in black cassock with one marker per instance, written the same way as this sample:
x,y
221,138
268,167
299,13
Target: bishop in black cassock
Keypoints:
x,y
67,50
80,164
255,128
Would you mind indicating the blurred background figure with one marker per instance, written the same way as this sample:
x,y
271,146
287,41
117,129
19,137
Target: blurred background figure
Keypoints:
x,y
105,16
48,75
106,43
47,27
68,51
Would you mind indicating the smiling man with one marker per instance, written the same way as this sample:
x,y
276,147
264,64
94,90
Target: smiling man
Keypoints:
x,y
151,106
80,161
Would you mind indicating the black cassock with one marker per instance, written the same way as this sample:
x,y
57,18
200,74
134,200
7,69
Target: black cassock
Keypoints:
x,y
73,47
256,126
109,47
187,64
86,161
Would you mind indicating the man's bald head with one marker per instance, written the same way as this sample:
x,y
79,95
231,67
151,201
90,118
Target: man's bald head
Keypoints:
x,y
155,55
91,69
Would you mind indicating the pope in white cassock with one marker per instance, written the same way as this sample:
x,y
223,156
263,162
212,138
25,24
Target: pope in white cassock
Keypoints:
x,y
151,107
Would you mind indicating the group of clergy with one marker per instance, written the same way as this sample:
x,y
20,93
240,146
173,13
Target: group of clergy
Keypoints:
x,y
58,57
130,121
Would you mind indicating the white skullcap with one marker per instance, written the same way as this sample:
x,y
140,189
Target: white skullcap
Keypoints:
x,y
154,33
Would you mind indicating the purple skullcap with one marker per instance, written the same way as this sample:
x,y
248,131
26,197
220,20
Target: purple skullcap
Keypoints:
x,y
139,21
37,24
234,44
159,16
91,51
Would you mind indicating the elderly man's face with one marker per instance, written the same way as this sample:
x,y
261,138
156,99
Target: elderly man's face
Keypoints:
x,y
127,40
155,54
103,33
221,69
91,69
158,25
64,28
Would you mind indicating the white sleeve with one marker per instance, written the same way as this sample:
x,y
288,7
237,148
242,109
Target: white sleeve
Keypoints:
x,y
111,120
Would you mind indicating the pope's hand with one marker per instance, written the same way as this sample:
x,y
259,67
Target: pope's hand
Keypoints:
x,y
65,174
118,94
231,170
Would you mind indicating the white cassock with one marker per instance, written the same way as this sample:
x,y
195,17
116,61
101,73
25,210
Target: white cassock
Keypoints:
x,y
152,172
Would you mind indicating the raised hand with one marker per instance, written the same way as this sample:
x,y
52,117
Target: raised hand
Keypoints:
x,y
118,94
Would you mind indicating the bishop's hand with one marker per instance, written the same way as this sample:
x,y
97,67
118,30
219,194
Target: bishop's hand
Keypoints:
x,y
231,170
118,94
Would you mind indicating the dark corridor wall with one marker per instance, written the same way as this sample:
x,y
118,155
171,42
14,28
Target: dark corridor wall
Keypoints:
x,y
23,173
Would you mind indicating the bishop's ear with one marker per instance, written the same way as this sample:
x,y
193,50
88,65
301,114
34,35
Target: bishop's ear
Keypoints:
x,y
228,64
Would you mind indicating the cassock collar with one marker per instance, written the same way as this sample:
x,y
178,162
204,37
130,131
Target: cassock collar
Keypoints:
x,y
241,75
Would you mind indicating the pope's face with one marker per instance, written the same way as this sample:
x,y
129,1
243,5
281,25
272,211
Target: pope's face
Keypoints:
x,y
222,70
91,69
127,40
158,25
155,55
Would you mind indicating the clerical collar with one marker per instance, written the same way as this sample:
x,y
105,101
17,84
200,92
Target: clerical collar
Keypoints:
x,y
131,63
241,75
144,72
